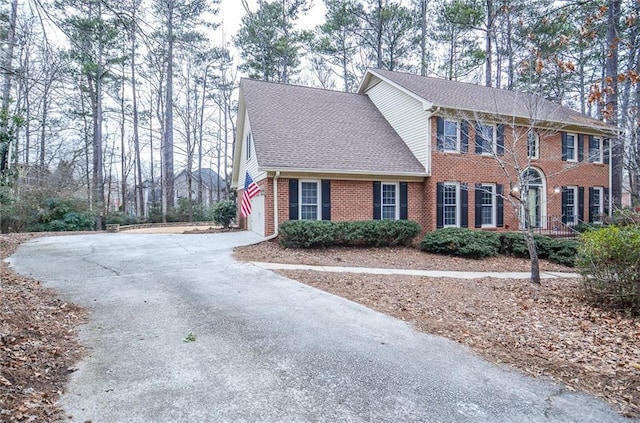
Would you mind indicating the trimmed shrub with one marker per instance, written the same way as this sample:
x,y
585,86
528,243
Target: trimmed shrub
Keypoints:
x,y
557,250
307,233
369,233
461,242
224,212
609,261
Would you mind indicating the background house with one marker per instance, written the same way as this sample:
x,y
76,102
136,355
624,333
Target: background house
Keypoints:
x,y
439,152
214,188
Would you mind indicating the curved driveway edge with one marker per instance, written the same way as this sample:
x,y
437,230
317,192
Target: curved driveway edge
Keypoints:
x,y
266,349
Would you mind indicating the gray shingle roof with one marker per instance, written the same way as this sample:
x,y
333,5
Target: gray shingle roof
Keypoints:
x,y
471,97
301,128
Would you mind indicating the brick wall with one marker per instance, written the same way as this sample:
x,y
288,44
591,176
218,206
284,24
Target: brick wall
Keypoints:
x,y
472,168
353,200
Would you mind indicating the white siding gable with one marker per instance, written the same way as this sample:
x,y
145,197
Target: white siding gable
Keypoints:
x,y
250,165
408,118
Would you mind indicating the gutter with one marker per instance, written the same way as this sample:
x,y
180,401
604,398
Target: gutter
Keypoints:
x,y
275,207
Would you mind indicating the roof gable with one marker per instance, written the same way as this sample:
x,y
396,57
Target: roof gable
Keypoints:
x,y
472,98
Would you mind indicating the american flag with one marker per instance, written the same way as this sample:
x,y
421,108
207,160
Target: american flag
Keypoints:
x,y
251,189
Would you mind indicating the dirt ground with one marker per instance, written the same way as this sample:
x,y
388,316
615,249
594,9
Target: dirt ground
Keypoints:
x,y
546,331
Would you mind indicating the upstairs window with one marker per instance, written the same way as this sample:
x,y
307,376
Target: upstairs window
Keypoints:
x,y
572,147
248,145
533,145
596,150
451,136
485,139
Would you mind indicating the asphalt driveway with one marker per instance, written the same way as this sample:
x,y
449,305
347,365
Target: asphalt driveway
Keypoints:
x,y
266,348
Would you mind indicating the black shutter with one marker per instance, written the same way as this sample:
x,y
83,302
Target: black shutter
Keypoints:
x,y
605,153
326,199
439,205
479,140
499,206
590,157
580,147
404,201
606,201
377,200
580,204
500,140
464,136
478,206
464,206
293,199
440,133
564,146
592,193
564,205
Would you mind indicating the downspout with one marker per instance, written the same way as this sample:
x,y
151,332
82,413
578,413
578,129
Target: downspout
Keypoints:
x,y
275,206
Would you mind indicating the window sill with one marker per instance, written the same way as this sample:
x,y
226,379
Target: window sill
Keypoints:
x,y
489,228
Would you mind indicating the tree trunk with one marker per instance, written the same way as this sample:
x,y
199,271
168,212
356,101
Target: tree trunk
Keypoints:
x,y
136,135
611,98
167,145
423,37
488,45
7,67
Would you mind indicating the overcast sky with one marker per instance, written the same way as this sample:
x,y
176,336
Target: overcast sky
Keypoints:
x,y
231,12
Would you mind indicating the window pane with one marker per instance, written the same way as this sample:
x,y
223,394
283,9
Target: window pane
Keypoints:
x,y
308,212
388,201
487,205
450,210
486,133
308,201
532,144
571,206
571,147
450,135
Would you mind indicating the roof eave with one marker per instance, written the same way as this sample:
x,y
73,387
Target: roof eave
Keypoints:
x,y
342,172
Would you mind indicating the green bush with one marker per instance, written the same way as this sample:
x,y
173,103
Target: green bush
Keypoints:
x,y
369,233
609,261
224,212
119,218
307,233
562,251
461,242
63,215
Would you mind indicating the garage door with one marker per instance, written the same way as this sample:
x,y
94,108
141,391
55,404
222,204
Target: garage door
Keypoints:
x,y
256,218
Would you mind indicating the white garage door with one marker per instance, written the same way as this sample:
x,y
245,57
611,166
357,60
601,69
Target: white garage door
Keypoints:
x,y
256,218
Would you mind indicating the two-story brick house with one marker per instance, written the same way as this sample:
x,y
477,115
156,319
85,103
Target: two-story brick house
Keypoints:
x,y
442,153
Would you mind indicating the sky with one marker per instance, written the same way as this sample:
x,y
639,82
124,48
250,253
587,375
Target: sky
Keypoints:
x,y
231,13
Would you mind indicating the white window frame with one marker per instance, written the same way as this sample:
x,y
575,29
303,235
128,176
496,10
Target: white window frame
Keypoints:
x,y
572,218
456,185
444,136
396,205
575,147
491,189
536,145
600,158
596,216
248,145
494,137
318,204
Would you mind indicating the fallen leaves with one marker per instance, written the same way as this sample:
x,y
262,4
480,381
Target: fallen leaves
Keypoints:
x,y
38,343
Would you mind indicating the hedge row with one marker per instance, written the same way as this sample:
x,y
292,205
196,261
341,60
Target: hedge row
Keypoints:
x,y
477,244
369,233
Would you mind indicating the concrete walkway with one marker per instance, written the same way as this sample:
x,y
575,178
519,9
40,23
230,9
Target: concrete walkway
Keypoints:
x,y
413,272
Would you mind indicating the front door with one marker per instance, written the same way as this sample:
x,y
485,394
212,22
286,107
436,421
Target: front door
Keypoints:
x,y
534,206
